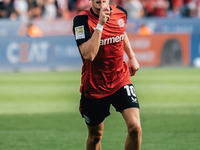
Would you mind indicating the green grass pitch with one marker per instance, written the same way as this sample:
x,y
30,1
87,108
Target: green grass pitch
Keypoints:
x,y
39,111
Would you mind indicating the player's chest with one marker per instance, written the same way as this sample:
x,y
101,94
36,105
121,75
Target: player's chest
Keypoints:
x,y
113,28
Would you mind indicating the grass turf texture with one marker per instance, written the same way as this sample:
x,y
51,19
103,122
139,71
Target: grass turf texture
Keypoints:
x,y
39,111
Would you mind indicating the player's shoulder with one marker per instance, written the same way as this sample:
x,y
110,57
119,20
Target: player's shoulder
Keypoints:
x,y
119,8
82,16
85,12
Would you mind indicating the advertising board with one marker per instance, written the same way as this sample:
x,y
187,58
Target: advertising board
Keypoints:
x,y
195,50
161,49
30,53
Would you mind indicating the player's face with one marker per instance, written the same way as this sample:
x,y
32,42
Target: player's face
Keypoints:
x,y
96,4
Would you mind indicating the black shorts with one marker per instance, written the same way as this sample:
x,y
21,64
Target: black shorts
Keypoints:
x,y
94,111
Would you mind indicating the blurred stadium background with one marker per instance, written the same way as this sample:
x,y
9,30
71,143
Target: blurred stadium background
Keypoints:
x,y
40,75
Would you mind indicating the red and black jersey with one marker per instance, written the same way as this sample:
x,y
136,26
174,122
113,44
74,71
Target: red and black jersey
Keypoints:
x,y
107,72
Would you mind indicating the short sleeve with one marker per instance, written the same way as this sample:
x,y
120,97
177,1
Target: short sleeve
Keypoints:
x,y
122,9
81,29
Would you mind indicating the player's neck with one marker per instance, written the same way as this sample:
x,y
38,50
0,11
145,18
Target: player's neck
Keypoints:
x,y
96,11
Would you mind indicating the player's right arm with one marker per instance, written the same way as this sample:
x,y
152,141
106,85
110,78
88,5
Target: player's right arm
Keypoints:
x,y
90,48
89,44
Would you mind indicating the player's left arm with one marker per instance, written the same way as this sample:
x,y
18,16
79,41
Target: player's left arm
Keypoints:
x,y
132,61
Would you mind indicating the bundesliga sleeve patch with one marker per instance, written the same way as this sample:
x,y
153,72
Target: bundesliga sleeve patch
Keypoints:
x,y
79,32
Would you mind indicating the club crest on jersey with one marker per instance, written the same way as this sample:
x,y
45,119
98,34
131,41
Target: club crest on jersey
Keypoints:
x,y
80,32
120,22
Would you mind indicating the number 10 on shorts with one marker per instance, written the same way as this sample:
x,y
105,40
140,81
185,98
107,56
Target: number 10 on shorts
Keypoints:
x,y
131,92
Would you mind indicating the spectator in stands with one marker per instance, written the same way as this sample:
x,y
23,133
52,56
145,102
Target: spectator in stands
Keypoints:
x,y
144,30
7,10
118,2
156,8
21,7
175,9
82,4
34,31
35,9
174,13
189,8
134,8
198,9
50,9
176,3
63,10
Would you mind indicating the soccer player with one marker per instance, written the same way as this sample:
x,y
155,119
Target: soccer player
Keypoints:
x,y
101,39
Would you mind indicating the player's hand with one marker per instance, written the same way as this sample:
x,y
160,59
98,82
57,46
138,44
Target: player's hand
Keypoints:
x,y
133,66
104,13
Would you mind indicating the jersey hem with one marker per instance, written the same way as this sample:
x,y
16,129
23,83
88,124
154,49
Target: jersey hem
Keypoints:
x,y
97,96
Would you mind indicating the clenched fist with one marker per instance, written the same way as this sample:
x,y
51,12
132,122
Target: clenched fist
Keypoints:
x,y
105,13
